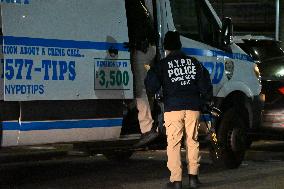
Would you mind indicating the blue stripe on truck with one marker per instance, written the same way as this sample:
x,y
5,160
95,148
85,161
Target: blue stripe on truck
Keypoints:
x,y
216,53
66,124
27,41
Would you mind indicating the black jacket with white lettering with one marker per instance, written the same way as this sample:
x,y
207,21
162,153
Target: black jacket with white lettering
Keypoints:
x,y
185,83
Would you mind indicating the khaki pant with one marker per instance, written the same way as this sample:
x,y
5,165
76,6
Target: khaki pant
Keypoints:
x,y
176,122
140,59
144,114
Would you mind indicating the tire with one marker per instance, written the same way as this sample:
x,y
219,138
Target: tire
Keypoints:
x,y
118,155
232,138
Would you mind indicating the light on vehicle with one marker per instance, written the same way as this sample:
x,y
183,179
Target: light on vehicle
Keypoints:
x,y
280,73
281,90
256,71
262,97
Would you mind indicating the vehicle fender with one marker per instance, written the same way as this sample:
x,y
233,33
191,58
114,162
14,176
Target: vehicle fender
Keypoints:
x,y
232,86
250,101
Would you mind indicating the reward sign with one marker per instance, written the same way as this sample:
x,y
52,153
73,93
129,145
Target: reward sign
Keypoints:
x,y
36,71
112,74
54,73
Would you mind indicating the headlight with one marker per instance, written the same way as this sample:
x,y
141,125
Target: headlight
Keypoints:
x,y
280,73
256,71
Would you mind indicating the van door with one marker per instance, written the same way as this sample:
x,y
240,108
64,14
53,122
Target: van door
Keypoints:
x,y
200,31
65,50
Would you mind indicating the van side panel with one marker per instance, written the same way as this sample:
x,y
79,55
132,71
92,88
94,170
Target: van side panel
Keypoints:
x,y
64,71
38,122
66,50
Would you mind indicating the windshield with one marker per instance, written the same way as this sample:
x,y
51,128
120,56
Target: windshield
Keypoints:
x,y
262,50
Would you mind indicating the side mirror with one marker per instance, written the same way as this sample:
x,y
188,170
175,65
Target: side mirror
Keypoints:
x,y
227,31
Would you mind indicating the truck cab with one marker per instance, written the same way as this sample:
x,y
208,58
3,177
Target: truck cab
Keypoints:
x,y
234,75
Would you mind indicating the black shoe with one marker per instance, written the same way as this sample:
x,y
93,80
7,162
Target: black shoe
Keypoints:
x,y
198,181
193,181
147,138
174,185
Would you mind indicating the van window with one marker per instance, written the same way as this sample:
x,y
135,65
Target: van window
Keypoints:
x,y
194,20
207,34
185,18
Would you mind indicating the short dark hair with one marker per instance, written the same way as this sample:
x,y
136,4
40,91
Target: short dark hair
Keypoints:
x,y
172,41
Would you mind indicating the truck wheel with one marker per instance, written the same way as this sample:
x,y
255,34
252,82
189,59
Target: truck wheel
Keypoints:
x,y
118,155
232,138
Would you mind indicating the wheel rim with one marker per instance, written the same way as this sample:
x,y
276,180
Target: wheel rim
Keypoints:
x,y
237,140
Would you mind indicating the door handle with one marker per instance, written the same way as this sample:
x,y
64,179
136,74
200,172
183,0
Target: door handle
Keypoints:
x,y
113,51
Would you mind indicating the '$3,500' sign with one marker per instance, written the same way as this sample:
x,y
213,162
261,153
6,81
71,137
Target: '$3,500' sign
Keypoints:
x,y
112,79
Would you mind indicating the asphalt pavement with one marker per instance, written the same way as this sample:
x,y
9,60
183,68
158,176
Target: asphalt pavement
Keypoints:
x,y
263,168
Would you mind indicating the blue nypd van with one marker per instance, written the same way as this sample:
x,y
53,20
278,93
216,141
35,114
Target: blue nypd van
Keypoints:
x,y
66,72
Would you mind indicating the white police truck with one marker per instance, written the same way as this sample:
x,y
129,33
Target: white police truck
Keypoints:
x,y
66,72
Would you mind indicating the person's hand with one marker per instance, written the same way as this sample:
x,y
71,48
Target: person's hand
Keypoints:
x,y
206,106
147,67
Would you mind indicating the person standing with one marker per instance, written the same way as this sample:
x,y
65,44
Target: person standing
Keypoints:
x,y
142,39
186,88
